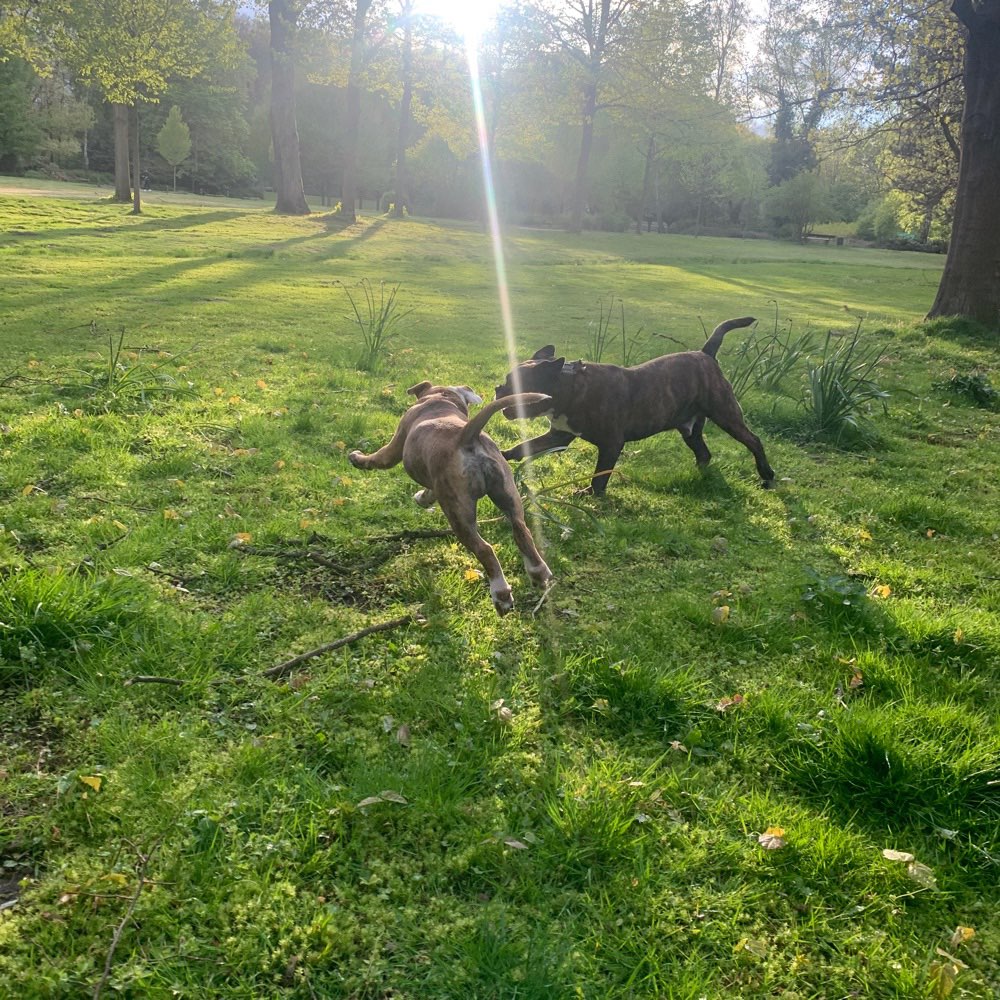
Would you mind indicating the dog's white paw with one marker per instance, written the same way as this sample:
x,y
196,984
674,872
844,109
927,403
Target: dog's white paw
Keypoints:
x,y
425,498
356,458
503,599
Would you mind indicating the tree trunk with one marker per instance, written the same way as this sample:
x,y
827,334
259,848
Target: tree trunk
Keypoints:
x,y
402,178
349,179
582,163
970,285
175,180
136,174
123,191
647,183
290,196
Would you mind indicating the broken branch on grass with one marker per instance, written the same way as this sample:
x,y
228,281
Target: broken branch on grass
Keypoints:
x,y
119,930
310,554
153,679
284,668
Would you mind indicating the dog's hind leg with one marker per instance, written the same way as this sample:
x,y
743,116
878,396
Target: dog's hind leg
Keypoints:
x,y
461,514
694,439
507,499
385,458
729,417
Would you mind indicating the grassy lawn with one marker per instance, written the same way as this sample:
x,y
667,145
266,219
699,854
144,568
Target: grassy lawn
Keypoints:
x,y
566,802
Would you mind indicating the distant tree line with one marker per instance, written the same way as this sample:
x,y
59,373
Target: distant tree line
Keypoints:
x,y
659,115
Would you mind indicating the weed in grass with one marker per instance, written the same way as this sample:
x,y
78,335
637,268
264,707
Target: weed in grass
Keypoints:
x,y
842,385
377,324
632,346
971,387
123,381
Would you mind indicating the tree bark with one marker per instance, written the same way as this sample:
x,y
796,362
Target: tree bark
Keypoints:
x,y
136,172
970,285
349,179
402,139
647,183
290,197
583,161
123,190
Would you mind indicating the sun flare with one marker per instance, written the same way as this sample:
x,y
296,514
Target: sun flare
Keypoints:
x,y
469,17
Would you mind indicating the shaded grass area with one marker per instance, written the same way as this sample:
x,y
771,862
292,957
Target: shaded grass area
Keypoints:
x,y
576,794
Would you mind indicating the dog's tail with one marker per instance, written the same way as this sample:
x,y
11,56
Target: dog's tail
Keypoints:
x,y
475,426
714,342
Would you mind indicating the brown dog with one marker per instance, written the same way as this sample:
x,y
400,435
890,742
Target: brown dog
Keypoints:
x,y
608,405
457,464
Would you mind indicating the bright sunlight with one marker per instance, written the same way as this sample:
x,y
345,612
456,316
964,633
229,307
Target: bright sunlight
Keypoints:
x,y
469,17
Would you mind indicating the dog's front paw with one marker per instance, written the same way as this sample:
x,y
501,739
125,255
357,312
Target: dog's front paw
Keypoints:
x,y
357,459
503,599
425,498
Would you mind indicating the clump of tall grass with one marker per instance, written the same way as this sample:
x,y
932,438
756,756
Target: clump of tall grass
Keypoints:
x,y
377,320
122,380
45,613
602,336
841,386
971,387
765,362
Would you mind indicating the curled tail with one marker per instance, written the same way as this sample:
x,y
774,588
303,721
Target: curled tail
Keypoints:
x,y
714,342
475,426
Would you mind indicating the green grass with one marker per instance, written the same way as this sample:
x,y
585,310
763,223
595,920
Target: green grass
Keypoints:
x,y
581,794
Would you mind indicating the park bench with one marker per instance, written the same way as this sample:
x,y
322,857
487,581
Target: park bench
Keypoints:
x,y
825,238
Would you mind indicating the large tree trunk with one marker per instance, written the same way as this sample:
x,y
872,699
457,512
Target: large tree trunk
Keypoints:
x,y
970,285
136,172
123,191
290,196
582,163
402,178
349,179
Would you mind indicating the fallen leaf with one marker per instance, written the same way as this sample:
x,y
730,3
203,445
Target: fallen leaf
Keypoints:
x,y
505,715
857,680
92,781
372,800
959,636
390,796
720,614
261,384
516,844
678,746
931,532
218,391
387,723
865,535
28,490
891,855
961,935
726,703
403,735
472,574
720,544
171,515
882,591
772,839
943,976
921,874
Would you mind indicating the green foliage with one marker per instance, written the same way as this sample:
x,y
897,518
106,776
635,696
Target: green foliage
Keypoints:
x,y
795,204
45,614
766,362
173,141
973,387
377,323
842,385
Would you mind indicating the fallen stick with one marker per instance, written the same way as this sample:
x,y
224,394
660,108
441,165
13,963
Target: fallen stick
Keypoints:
x,y
152,679
283,668
116,937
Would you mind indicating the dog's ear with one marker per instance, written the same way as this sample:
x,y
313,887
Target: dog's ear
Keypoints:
x,y
419,389
471,397
544,353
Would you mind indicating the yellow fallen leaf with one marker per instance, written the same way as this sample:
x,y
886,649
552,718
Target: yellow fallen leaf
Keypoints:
x,y
243,536
882,590
218,391
233,400
116,877
28,490
865,535
92,781
339,445
171,515
959,636
280,464
772,839
891,855
961,935
720,614
78,412
472,574
724,704
303,524
120,526
261,384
